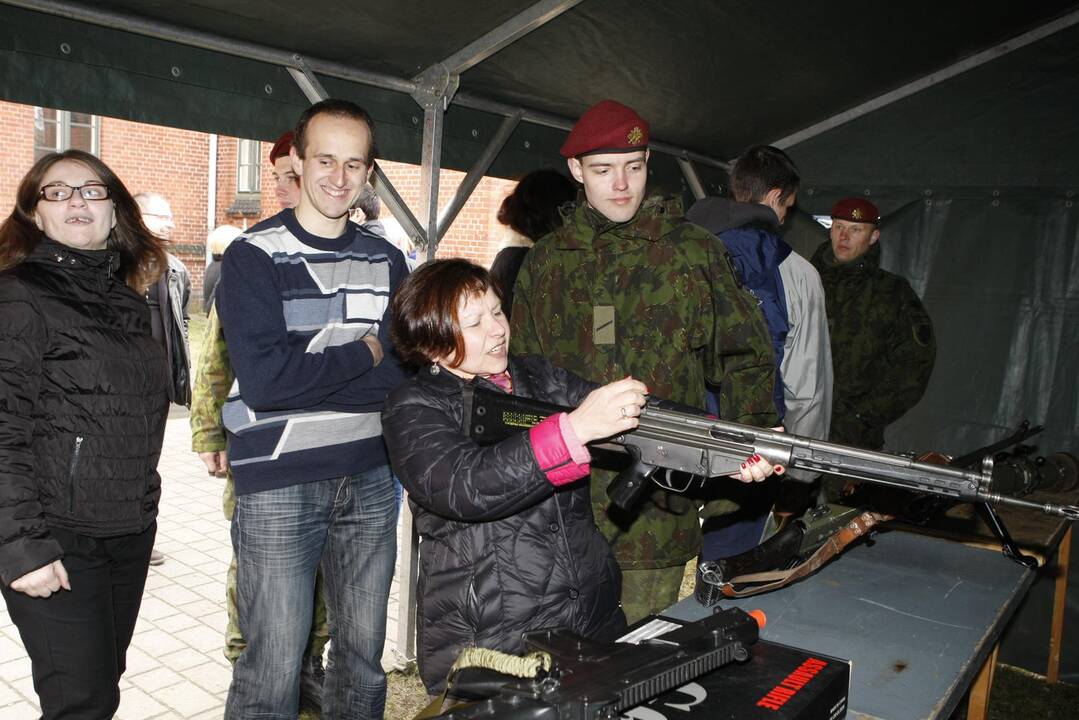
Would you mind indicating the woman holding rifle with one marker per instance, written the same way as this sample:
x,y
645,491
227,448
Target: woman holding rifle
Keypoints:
x,y
509,543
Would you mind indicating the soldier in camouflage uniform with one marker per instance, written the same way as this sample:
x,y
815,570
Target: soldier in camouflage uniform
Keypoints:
x,y
882,338
213,378
628,287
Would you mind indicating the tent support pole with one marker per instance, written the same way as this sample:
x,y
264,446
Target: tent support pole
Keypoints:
x,y
397,206
306,80
435,89
476,173
693,180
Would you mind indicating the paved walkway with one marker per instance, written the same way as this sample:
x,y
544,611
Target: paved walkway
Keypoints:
x,y
175,666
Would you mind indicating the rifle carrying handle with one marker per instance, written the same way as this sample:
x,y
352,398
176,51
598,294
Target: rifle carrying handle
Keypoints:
x,y
631,485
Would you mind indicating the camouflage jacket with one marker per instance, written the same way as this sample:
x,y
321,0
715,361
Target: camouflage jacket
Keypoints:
x,y
656,298
213,378
883,346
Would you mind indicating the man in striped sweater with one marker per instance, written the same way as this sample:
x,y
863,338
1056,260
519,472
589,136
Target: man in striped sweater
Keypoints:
x,y
303,301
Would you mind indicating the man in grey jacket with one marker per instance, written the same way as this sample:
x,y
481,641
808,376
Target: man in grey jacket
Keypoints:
x,y
168,299
788,289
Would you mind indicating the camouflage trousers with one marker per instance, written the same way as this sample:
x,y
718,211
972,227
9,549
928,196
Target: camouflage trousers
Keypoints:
x,y
645,592
234,639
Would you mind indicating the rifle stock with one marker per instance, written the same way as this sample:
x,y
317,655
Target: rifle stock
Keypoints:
x,y
708,447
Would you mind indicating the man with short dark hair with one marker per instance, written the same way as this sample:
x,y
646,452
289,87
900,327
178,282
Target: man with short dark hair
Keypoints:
x,y
627,287
303,302
883,346
765,185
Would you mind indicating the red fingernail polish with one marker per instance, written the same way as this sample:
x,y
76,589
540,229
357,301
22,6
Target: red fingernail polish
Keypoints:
x,y
743,466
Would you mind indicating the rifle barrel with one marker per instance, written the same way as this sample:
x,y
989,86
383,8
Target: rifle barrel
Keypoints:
x,y
712,447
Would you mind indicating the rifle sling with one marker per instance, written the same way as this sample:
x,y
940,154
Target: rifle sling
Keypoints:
x,y
773,580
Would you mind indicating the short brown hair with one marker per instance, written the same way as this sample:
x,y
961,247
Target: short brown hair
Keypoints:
x,y
334,108
761,168
142,255
533,208
425,325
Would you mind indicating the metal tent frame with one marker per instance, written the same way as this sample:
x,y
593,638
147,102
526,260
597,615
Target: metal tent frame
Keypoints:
x,y
434,90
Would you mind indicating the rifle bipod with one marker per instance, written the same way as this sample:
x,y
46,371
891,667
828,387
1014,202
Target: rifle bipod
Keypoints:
x,y
1008,547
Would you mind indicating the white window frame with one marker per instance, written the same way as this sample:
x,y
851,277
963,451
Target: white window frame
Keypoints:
x,y
64,124
248,166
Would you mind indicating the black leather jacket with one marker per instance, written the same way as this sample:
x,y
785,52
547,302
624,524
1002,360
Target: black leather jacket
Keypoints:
x,y
502,550
168,323
83,403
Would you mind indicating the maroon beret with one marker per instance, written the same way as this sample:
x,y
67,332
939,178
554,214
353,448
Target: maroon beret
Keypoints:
x,y
856,209
282,146
607,126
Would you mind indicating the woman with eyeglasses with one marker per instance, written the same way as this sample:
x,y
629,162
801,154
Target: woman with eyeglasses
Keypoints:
x,y
83,402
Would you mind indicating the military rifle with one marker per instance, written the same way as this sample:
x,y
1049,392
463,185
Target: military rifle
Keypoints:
x,y
802,544
687,441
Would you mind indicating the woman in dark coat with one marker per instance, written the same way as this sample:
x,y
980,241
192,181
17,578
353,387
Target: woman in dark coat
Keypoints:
x,y
509,543
508,540
83,401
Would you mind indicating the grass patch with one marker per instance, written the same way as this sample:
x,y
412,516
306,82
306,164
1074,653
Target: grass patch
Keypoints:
x,y
405,694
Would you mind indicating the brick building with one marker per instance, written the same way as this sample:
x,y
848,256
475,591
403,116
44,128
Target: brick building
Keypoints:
x,y
179,164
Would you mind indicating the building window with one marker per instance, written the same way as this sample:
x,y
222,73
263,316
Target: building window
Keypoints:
x,y
248,172
59,130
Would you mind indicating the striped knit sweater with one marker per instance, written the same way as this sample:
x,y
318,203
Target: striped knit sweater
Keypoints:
x,y
306,401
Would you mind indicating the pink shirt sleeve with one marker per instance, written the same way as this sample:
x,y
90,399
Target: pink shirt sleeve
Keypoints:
x,y
560,455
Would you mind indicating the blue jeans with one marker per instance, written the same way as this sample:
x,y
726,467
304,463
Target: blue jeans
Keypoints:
x,y
280,537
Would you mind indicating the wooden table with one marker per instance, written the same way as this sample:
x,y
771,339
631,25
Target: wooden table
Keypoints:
x,y
918,616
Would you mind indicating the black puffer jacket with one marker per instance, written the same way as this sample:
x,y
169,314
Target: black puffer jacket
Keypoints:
x,y
83,402
502,550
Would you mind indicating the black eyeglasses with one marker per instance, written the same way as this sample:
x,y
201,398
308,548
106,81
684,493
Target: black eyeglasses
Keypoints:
x,y
58,192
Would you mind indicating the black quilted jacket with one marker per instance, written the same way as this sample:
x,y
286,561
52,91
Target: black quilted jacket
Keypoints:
x,y
83,402
502,550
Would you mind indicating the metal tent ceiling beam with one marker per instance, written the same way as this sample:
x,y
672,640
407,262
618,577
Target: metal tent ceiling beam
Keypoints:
x,y
934,78
435,89
693,180
505,34
476,173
